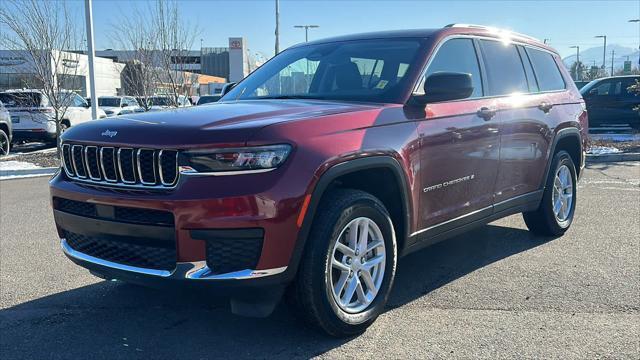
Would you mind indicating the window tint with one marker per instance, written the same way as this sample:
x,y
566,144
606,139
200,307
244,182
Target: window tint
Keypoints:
x,y
531,78
602,89
547,72
456,55
505,73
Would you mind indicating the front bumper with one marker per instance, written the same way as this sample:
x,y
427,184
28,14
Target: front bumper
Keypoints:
x,y
197,270
20,135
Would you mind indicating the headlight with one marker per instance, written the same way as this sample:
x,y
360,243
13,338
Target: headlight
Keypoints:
x,y
230,161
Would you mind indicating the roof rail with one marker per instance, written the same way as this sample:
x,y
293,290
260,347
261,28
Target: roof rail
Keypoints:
x,y
490,28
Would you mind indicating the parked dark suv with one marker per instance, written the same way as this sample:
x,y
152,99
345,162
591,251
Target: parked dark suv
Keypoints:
x,y
316,172
610,103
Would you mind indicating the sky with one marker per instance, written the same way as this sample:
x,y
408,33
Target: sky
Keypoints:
x,y
564,23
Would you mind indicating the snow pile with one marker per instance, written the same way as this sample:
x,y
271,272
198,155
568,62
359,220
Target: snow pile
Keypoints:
x,y
603,150
17,165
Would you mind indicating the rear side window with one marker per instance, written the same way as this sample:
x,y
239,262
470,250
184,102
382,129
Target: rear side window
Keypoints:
x,y
547,72
505,73
531,78
21,99
457,55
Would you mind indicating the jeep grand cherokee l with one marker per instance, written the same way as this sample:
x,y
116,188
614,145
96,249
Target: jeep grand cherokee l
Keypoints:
x,y
315,173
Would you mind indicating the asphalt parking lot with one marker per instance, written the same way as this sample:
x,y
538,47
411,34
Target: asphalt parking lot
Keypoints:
x,y
497,292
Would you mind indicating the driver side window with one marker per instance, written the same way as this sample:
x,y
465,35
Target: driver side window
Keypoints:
x,y
456,55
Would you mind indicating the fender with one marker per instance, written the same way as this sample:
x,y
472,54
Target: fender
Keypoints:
x,y
561,134
340,169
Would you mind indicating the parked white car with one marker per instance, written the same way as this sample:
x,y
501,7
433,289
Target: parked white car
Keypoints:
x,y
32,114
165,102
118,105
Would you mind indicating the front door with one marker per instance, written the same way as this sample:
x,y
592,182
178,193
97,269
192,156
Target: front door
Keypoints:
x,y
459,144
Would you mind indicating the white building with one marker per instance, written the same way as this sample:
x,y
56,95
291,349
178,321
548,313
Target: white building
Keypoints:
x,y
17,70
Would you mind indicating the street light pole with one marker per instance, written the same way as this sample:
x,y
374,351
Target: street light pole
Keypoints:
x,y
577,47
277,26
91,52
604,52
637,21
306,30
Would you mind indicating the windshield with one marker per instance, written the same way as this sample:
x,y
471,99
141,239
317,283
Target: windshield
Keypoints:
x,y
20,99
364,70
159,101
113,102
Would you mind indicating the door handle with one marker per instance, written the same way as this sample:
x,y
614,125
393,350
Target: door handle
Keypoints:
x,y
545,107
486,113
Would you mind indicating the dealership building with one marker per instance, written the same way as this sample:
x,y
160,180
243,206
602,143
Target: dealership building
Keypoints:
x,y
208,69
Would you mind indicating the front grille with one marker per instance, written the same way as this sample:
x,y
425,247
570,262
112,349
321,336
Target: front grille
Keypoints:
x,y
231,250
117,213
123,250
121,166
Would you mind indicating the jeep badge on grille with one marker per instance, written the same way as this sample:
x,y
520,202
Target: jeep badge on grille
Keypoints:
x,y
109,133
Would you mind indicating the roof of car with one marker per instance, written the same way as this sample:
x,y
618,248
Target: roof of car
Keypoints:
x,y
451,29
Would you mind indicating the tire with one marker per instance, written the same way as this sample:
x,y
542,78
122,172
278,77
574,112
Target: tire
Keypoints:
x,y
5,144
313,290
545,220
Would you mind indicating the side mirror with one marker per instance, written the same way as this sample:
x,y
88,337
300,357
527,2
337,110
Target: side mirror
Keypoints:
x,y
593,92
228,88
123,105
444,86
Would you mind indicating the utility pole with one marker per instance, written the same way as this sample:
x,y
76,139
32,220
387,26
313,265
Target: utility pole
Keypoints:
x,y
277,26
577,47
613,53
88,12
306,30
604,51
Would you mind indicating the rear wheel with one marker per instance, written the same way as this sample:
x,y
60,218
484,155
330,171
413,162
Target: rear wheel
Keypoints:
x,y
555,213
349,264
5,144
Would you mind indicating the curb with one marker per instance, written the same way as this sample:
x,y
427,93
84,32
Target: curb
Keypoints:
x,y
17,174
613,157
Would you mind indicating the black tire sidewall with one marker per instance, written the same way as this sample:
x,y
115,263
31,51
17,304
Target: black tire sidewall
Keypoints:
x,y
372,211
5,137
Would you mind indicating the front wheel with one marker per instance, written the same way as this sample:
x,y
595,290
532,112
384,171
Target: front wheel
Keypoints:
x,y
555,213
349,264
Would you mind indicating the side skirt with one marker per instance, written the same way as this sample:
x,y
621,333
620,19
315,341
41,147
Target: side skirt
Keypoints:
x,y
462,224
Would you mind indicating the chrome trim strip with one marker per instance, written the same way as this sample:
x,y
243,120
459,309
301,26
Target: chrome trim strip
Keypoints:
x,y
224,173
120,165
197,270
115,170
64,160
75,166
201,271
88,258
160,168
451,220
153,163
86,162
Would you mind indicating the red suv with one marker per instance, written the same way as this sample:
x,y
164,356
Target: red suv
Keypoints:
x,y
316,172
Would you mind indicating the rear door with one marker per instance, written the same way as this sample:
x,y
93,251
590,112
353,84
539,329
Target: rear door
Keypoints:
x,y
458,147
524,115
600,104
625,102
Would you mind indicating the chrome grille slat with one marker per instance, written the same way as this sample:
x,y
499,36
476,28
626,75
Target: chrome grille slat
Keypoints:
x,y
123,167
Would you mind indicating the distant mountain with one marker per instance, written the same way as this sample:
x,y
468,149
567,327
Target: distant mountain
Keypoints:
x,y
588,56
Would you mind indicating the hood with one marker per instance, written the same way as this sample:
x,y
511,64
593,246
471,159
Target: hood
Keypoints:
x,y
226,123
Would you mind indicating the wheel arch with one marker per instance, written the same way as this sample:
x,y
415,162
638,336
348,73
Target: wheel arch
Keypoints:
x,y
569,140
344,173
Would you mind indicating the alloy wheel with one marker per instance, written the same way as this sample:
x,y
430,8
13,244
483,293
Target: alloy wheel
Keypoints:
x,y
562,197
357,265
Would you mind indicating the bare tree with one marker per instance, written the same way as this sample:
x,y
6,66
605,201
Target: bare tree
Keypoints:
x,y
140,74
174,39
39,31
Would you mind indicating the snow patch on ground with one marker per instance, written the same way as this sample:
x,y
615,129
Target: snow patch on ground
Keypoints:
x,y
616,137
17,165
603,150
